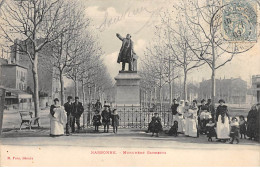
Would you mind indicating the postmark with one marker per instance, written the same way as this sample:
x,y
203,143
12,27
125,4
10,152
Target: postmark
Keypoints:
x,y
239,23
1,4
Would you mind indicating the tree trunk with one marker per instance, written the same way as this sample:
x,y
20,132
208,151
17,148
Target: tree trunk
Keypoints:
x,y
170,90
151,95
185,85
213,86
213,83
155,96
89,94
83,102
36,86
160,97
146,100
76,88
61,88
95,92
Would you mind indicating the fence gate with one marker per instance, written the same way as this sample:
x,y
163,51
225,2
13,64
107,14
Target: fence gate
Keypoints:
x,y
136,116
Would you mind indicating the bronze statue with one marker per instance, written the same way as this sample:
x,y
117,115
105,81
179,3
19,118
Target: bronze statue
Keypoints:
x,y
127,54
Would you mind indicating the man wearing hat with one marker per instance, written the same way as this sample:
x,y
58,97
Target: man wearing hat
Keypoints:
x,y
68,109
126,54
77,110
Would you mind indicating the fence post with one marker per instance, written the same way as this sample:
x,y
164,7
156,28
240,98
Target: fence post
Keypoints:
x,y
2,103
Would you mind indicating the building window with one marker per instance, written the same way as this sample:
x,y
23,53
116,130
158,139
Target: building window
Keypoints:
x,y
258,86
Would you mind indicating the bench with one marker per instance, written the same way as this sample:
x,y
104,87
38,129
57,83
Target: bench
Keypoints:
x,y
28,119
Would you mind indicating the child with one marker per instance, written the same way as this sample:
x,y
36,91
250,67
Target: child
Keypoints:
x,y
242,126
151,124
115,120
234,130
96,120
174,129
210,130
157,126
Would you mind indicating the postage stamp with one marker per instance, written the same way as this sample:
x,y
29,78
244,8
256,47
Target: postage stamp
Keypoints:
x,y
239,20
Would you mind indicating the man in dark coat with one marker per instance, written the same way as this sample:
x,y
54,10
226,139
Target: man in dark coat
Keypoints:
x,y
77,110
106,115
68,109
174,107
126,52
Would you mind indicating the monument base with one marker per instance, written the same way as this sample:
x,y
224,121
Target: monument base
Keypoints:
x,y
128,88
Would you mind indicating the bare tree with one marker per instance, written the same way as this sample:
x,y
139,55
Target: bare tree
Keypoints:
x,y
35,22
60,49
178,44
204,21
82,51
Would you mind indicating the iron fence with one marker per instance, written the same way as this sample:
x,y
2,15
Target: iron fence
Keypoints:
x,y
136,116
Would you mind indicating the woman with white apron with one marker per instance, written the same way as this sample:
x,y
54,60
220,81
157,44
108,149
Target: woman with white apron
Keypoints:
x,y
223,121
186,116
179,117
193,122
58,119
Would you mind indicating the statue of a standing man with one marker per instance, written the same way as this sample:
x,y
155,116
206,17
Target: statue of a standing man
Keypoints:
x,y
126,54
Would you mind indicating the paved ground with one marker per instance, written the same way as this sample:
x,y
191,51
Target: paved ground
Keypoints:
x,y
130,147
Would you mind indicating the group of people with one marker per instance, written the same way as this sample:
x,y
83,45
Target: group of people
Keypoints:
x,y
188,118
193,120
66,115
107,116
69,115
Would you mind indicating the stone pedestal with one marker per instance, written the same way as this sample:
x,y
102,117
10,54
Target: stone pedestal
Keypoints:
x,y
128,88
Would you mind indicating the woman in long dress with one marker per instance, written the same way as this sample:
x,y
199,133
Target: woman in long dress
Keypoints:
x,y
179,117
186,115
252,123
57,119
223,121
191,121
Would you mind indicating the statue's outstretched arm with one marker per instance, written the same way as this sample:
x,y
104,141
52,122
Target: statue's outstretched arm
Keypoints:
x,y
119,36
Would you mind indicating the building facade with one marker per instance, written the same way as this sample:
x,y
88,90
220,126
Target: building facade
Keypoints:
x,y
256,88
14,76
49,87
232,90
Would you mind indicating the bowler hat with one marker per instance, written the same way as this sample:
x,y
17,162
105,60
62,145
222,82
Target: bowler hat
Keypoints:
x,y
69,97
221,100
56,99
76,97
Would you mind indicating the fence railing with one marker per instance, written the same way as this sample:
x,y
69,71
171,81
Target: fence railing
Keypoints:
x,y
136,116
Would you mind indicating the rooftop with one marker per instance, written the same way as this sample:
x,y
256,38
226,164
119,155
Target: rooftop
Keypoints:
x,y
13,65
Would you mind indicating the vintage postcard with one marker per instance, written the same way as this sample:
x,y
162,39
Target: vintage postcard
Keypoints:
x,y
111,83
